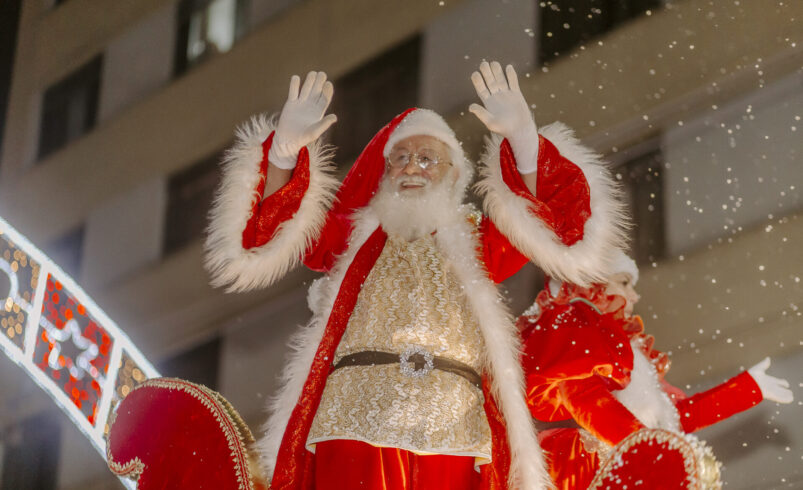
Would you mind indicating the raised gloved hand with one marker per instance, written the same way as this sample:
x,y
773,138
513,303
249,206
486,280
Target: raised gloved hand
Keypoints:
x,y
506,112
772,388
301,121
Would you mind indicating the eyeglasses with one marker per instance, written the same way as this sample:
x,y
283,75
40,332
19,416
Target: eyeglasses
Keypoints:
x,y
424,158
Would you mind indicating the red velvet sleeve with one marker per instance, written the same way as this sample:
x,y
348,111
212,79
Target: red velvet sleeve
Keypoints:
x,y
593,407
323,252
500,257
562,203
573,357
571,348
268,214
562,197
720,402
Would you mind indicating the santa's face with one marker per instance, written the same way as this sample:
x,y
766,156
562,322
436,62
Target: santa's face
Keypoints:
x,y
417,194
417,163
621,284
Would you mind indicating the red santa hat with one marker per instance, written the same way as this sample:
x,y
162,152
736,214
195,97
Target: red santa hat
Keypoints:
x,y
362,180
623,263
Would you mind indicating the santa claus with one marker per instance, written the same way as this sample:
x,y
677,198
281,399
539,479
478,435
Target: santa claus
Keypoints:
x,y
408,376
593,378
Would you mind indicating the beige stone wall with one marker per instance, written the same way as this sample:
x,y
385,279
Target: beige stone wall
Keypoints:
x,y
195,115
633,84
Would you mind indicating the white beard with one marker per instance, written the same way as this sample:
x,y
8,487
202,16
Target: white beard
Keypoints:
x,y
415,213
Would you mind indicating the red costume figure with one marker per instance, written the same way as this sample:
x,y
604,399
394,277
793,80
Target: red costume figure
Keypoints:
x,y
408,376
593,374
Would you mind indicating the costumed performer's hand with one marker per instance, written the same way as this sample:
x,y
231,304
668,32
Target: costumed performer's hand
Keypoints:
x,y
504,111
302,120
772,388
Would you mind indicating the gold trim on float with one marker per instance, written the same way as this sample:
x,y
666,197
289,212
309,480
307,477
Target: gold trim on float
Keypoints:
x,y
238,436
702,468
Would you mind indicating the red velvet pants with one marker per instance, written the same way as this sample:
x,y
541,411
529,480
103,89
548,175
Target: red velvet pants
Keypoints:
x,y
349,465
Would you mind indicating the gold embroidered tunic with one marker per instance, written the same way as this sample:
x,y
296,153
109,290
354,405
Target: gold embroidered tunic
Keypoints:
x,y
410,299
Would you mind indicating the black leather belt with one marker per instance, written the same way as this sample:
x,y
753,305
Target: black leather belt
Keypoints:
x,y
415,363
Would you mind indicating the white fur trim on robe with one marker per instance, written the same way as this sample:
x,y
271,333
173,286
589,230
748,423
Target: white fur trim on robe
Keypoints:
x,y
227,261
588,260
303,345
502,355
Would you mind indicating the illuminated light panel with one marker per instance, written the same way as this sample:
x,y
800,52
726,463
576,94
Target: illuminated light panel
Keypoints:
x,y
54,331
17,286
72,349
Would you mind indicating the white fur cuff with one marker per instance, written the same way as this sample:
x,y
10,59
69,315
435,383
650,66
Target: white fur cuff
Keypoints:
x,y
245,269
588,260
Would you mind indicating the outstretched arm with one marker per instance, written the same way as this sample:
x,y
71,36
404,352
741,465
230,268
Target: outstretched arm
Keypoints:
x,y
551,197
275,191
772,388
736,395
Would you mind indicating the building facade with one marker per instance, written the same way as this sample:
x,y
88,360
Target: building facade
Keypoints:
x,y
114,118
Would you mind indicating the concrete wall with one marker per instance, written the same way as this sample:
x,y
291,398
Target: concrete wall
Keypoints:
x,y
196,115
125,234
761,448
254,351
260,11
80,465
734,167
455,44
138,62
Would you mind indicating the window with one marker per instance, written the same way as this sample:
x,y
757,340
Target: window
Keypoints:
x,y
198,365
70,107
644,190
569,23
189,197
31,453
369,97
9,22
68,251
206,28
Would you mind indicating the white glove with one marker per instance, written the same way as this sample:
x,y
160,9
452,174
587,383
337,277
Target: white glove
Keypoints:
x,y
772,388
301,121
506,112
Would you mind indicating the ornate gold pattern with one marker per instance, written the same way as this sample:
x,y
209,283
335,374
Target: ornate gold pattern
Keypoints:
x,y
410,300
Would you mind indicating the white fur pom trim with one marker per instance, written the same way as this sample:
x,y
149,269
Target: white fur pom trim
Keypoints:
x,y
227,261
502,357
590,259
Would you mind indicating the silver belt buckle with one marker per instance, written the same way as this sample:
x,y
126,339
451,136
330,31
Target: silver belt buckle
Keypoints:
x,y
408,367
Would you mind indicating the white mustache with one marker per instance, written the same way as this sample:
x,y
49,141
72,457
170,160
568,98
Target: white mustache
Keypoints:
x,y
412,179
